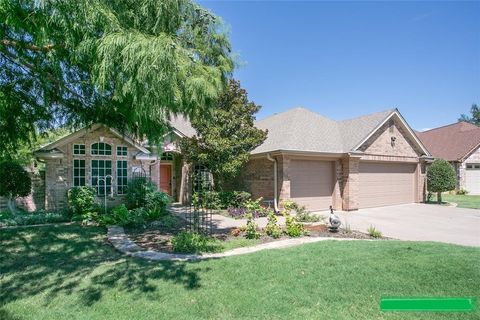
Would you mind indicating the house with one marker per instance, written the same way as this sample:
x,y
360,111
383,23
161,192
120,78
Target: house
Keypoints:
x,y
458,143
369,161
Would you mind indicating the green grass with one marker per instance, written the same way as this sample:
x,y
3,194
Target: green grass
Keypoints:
x,y
70,272
463,201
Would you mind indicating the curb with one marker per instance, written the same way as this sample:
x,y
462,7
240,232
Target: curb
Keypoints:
x,y
117,237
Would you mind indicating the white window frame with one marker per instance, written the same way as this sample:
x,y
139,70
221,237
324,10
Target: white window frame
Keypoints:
x,y
119,175
122,155
101,155
79,176
79,154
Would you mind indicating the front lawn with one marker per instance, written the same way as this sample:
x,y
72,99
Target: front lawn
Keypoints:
x,y
463,201
71,272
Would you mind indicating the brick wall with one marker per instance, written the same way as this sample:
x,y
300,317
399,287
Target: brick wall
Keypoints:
x,y
350,183
257,178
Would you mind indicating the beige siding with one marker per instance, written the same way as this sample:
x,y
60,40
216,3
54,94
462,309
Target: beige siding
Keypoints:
x,y
383,184
312,183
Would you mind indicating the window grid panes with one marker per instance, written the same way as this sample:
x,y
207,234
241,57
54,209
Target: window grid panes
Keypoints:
x,y
121,176
100,169
78,149
121,151
78,173
167,156
101,149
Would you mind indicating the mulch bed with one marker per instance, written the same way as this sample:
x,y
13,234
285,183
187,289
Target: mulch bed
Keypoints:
x,y
154,237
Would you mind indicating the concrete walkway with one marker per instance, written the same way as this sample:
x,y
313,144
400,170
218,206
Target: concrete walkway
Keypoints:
x,y
116,235
419,222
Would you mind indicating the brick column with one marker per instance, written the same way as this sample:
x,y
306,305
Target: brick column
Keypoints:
x,y
337,189
283,176
350,185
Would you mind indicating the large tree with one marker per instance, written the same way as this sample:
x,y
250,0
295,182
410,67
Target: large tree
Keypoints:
x,y
225,138
474,115
127,63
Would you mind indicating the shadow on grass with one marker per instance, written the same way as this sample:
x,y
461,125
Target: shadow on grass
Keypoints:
x,y
64,260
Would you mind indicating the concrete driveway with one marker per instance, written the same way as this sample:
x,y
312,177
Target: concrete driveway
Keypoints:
x,y
422,222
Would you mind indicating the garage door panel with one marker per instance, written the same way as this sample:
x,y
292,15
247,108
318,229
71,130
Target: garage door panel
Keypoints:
x,y
472,179
311,183
384,184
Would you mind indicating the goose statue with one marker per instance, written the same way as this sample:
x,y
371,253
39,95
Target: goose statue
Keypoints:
x,y
334,220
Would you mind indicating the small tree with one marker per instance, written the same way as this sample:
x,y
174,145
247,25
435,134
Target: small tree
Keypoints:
x,y
225,138
15,182
441,177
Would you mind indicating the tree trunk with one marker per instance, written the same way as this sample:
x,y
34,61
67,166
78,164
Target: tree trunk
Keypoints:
x,y
11,205
439,197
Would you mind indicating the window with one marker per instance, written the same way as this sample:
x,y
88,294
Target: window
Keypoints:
x,y
121,176
101,149
167,156
101,169
78,149
78,173
121,151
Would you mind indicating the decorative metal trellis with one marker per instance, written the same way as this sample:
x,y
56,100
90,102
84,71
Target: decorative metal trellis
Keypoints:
x,y
199,218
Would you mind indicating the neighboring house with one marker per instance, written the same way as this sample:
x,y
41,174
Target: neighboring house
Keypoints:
x,y
374,160
458,143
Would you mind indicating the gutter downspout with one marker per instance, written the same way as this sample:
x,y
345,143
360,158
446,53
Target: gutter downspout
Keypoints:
x,y
275,182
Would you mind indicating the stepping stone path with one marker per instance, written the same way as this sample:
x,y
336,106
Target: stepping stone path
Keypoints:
x,y
117,237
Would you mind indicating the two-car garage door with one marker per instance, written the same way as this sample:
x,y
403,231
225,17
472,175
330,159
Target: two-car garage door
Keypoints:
x,y
380,184
383,184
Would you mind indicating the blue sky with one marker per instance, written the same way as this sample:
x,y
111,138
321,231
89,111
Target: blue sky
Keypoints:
x,y
344,59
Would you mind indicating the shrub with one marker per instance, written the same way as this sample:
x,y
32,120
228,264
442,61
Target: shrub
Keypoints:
x,y
156,202
236,213
293,227
81,200
273,229
461,192
15,182
169,222
191,242
32,218
121,215
137,190
224,199
254,208
251,228
235,232
441,177
373,232
305,216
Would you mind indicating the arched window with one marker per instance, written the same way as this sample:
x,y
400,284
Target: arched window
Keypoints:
x,y
101,149
167,156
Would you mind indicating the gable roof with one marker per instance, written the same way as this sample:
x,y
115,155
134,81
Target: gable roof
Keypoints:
x,y
49,148
182,126
453,142
300,129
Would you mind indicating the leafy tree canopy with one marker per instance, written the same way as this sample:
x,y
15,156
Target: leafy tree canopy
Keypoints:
x,y
441,177
127,63
15,182
224,140
474,115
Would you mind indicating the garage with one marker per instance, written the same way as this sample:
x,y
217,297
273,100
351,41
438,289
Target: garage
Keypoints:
x,y
472,178
383,184
311,183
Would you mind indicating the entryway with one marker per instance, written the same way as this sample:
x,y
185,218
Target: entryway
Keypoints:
x,y
166,178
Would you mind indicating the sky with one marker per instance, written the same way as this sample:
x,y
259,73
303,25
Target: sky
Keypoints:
x,y
345,59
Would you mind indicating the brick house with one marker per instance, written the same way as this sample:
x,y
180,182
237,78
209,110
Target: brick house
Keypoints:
x,y
374,160
458,143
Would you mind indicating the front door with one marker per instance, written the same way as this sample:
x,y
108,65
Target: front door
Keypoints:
x,y
166,178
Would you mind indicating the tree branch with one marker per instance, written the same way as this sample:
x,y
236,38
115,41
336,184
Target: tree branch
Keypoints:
x,y
29,46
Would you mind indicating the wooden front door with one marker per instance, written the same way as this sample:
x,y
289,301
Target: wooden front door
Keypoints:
x,y
166,178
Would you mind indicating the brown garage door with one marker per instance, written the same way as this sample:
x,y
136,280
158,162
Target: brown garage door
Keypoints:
x,y
383,184
311,183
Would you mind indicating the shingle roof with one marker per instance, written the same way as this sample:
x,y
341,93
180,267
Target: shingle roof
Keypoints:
x,y
452,142
300,129
182,125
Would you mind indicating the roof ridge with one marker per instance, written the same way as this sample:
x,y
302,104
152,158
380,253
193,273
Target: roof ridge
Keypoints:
x,y
369,114
448,125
